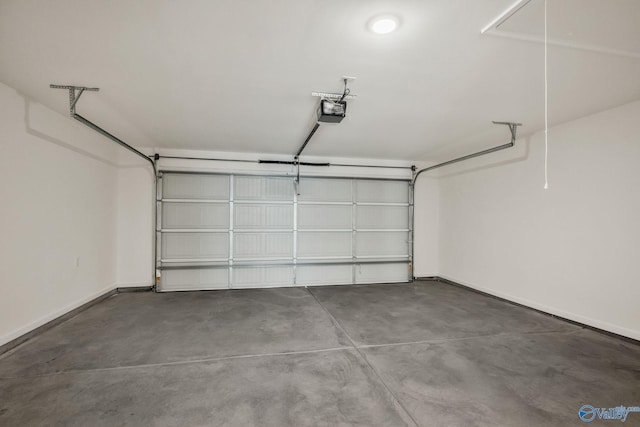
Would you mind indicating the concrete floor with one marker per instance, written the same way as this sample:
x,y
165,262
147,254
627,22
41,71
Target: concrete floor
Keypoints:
x,y
426,354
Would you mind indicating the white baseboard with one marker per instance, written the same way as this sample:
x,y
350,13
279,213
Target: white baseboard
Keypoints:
x,y
609,327
51,316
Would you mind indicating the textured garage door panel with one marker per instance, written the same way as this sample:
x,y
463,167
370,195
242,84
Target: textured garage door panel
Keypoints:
x,y
236,231
195,215
324,217
265,246
381,273
325,190
370,191
262,277
190,279
324,244
195,246
191,186
310,275
382,243
382,217
263,216
263,188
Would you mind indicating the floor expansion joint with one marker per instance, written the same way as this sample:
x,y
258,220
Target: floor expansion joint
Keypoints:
x,y
396,401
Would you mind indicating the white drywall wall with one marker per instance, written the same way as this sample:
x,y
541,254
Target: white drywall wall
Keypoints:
x,y
572,250
57,214
135,194
427,222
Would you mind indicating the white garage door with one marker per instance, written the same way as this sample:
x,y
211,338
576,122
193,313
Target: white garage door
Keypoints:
x,y
219,231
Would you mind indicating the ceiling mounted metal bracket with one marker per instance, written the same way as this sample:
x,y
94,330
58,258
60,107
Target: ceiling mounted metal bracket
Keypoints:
x,y
73,98
331,95
513,128
346,93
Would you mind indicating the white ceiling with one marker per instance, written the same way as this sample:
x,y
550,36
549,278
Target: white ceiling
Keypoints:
x,y
236,75
601,25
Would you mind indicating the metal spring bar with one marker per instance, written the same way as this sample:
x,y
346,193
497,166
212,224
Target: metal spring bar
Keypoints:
x,y
73,100
513,128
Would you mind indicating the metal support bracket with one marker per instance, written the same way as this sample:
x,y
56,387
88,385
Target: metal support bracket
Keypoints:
x,y
73,98
346,94
513,128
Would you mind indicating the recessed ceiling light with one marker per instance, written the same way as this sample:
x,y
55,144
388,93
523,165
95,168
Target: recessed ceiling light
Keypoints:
x,y
383,24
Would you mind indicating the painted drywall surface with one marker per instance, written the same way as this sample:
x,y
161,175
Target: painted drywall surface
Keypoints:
x,y
426,227
135,199
57,214
571,250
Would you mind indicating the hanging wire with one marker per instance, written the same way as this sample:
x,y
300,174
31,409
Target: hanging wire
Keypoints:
x,y
546,103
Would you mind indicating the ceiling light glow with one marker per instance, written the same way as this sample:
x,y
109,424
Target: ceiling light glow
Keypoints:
x,y
383,24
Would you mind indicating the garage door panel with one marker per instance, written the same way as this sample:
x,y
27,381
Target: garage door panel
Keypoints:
x,y
324,244
325,190
382,244
382,273
324,217
197,278
263,246
193,186
382,217
320,231
318,275
263,216
180,246
263,188
195,215
376,191
261,277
